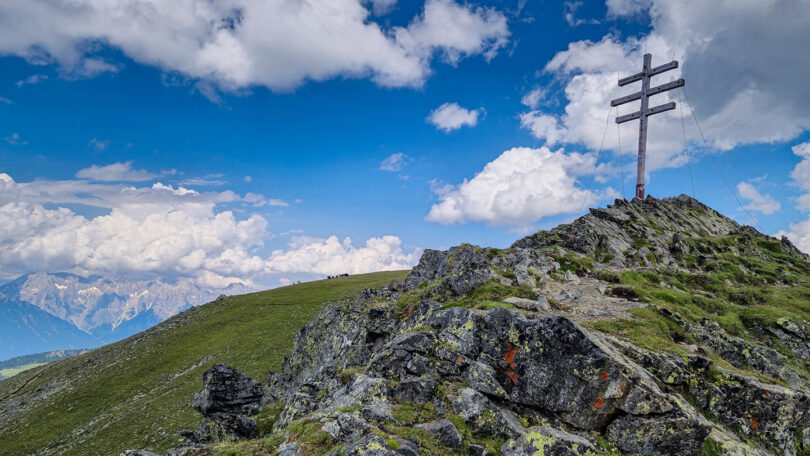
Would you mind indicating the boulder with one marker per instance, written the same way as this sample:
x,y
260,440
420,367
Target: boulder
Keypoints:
x,y
444,431
227,391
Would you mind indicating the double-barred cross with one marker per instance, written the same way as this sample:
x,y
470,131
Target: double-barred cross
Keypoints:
x,y
645,111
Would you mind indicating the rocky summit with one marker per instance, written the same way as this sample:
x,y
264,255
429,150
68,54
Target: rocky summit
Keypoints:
x,y
650,327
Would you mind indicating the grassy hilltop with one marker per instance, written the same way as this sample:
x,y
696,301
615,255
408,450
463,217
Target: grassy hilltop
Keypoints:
x,y
136,393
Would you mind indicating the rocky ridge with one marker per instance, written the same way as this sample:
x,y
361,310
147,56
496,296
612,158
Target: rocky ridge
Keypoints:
x,y
649,327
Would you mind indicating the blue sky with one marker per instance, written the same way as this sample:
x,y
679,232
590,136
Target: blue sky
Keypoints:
x,y
284,141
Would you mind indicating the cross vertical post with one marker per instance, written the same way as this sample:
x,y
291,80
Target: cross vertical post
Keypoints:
x,y
645,111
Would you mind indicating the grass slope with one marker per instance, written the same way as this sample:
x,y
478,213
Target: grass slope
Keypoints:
x,y
136,393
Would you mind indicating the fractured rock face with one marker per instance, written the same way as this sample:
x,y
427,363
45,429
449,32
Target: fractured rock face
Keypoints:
x,y
226,390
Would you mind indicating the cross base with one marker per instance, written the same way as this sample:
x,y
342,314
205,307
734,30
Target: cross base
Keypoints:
x,y
640,191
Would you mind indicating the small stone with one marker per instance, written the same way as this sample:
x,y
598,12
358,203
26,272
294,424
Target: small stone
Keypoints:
x,y
332,428
478,450
539,305
288,449
444,431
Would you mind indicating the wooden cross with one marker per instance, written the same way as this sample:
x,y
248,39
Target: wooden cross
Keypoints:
x,y
645,111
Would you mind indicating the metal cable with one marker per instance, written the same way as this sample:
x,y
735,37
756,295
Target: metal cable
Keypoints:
x,y
593,176
720,170
686,146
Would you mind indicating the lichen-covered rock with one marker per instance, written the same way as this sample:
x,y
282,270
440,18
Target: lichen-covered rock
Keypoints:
x,y
725,443
460,269
614,230
339,338
742,354
484,416
548,441
681,432
532,361
793,335
416,389
369,445
228,391
221,427
444,431
289,449
770,413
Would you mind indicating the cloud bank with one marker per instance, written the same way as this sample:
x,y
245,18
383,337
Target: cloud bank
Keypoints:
x,y
164,231
234,44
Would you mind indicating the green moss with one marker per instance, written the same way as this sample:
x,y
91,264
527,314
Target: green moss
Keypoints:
x,y
711,448
268,417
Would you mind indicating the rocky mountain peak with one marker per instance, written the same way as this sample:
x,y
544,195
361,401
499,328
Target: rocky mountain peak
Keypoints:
x,y
654,327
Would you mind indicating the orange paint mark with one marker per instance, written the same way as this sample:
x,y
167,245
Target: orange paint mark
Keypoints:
x,y
510,358
754,424
766,393
598,403
459,359
604,375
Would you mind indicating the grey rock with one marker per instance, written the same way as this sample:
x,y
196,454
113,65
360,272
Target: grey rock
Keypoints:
x,y
772,413
742,354
416,389
549,442
219,427
289,449
460,269
138,453
538,305
351,424
226,390
484,416
379,413
407,448
332,428
369,445
478,450
681,432
444,431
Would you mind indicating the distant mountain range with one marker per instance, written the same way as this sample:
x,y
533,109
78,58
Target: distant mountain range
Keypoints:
x,y
44,312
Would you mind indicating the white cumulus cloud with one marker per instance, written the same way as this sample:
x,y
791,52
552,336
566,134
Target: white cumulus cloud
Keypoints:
x,y
234,44
332,256
757,201
451,116
518,188
800,232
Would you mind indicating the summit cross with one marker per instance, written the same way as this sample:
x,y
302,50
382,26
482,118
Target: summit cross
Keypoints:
x,y
645,111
